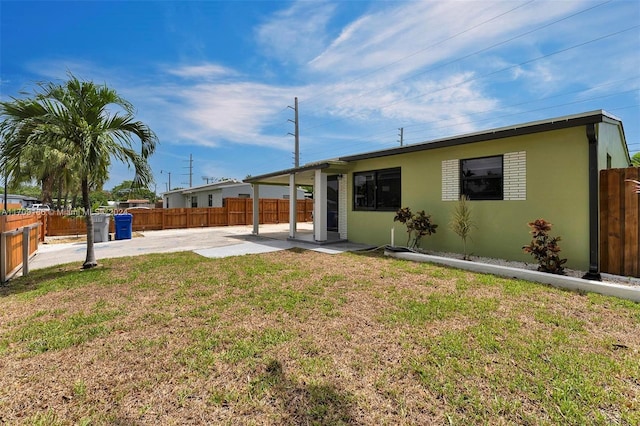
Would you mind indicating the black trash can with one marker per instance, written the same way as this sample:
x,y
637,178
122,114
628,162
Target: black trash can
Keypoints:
x,y
123,225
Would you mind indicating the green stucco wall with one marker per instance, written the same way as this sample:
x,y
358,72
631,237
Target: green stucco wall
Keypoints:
x,y
610,142
557,190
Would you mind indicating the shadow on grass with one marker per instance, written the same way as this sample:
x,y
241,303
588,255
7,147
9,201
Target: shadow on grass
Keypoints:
x,y
50,279
317,404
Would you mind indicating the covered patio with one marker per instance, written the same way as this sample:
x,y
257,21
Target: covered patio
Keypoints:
x,y
328,180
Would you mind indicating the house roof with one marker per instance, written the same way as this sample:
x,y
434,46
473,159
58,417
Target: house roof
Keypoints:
x,y
206,187
598,116
304,174
19,197
228,184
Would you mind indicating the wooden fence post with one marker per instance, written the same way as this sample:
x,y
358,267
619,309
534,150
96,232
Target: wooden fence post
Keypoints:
x,y
3,257
26,239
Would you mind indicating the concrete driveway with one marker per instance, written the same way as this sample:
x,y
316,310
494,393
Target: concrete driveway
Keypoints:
x,y
209,242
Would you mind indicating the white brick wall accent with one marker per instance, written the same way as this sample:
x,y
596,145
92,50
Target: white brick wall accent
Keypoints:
x,y
343,206
515,175
450,180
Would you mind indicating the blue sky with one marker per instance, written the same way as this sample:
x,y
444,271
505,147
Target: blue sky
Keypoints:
x,y
215,79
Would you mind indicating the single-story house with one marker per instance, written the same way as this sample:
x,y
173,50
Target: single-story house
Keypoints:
x,y
132,203
212,194
17,201
513,175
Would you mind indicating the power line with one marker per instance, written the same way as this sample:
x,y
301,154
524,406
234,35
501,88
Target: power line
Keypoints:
x,y
379,135
492,118
468,80
486,49
423,49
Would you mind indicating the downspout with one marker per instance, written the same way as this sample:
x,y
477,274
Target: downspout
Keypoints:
x,y
594,248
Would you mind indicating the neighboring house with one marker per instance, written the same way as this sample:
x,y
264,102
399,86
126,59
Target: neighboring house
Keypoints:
x,y
212,194
17,201
513,175
135,203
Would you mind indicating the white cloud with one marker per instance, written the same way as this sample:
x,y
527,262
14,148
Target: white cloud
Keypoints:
x,y
202,71
401,64
296,34
237,112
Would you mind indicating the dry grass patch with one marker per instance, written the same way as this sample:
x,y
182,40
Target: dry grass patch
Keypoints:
x,y
299,337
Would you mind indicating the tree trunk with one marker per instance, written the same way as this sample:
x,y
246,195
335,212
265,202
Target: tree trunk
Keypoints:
x,y
47,188
90,261
59,193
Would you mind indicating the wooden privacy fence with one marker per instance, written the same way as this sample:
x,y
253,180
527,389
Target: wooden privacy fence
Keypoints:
x,y
619,222
16,247
236,211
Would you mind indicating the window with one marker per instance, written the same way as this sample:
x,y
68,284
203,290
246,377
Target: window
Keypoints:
x,y
244,195
210,200
377,190
481,178
194,201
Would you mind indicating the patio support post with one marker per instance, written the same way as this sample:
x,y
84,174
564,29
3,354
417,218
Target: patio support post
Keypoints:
x,y
293,198
320,206
256,208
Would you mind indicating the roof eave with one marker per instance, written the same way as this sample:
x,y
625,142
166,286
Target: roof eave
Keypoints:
x,y
598,116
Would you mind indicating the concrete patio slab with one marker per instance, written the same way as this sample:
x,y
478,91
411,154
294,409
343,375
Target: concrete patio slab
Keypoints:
x,y
213,242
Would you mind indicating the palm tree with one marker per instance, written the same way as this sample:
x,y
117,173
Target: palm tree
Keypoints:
x,y
90,124
44,164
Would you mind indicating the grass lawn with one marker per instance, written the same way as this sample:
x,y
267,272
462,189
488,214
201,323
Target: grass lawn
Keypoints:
x,y
298,337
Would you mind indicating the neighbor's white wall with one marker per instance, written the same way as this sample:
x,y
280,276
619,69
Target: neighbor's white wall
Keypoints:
x,y
176,200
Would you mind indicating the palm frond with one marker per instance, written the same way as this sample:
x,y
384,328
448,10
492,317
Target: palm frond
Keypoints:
x,y
637,183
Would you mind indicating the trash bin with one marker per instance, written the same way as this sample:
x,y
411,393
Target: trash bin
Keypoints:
x,y
123,226
100,227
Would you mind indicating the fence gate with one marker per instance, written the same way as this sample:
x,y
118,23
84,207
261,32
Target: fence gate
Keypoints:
x,y
619,222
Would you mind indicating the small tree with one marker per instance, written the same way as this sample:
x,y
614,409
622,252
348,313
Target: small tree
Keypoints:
x,y
544,248
461,222
418,225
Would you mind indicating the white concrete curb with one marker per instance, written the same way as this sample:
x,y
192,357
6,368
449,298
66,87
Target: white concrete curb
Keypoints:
x,y
561,281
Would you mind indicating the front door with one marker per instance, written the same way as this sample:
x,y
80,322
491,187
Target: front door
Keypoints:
x,y
332,203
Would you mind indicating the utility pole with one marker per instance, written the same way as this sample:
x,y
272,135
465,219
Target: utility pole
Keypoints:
x,y
296,134
190,167
169,173
401,134
293,213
